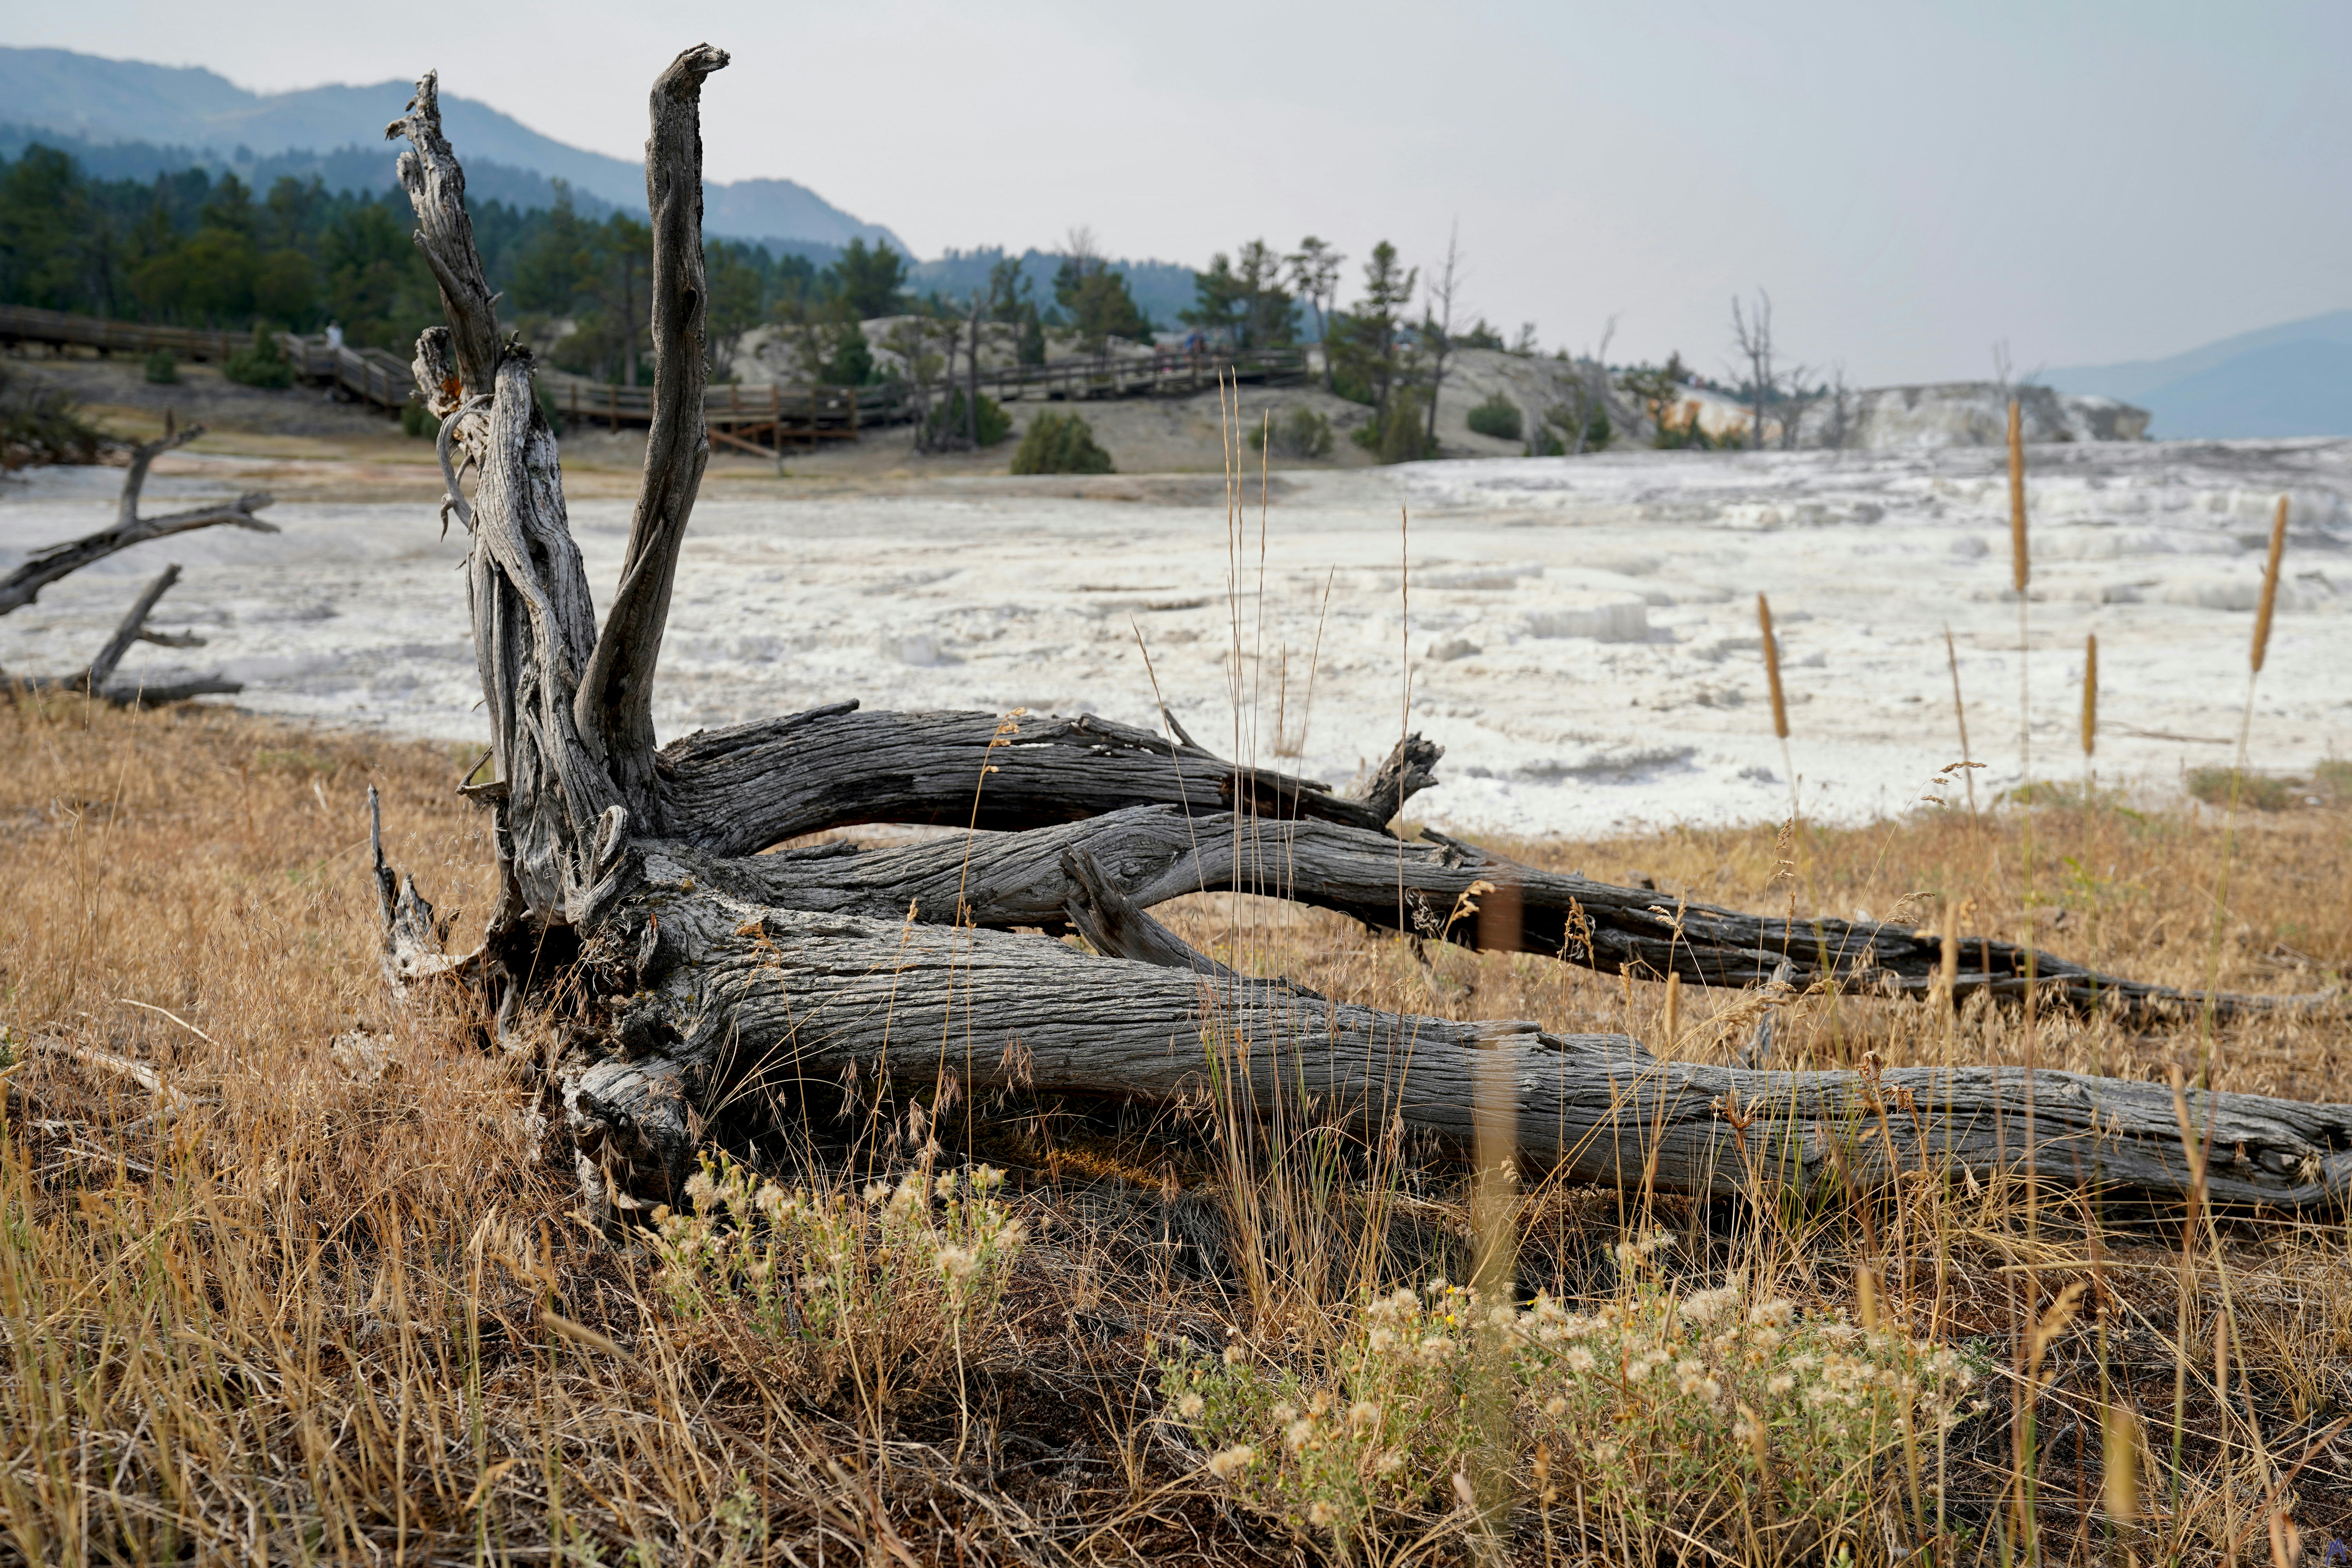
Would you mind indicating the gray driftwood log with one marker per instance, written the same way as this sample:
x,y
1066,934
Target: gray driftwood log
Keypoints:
x,y
697,979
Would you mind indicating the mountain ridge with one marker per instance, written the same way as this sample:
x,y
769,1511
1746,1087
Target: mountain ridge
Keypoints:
x,y
102,102
2291,379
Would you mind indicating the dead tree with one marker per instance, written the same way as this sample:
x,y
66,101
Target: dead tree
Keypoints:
x,y
1437,325
1751,338
44,567
694,978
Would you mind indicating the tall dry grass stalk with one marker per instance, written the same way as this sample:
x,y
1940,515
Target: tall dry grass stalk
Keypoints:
x,y
2021,568
1772,668
2090,695
2270,589
1960,716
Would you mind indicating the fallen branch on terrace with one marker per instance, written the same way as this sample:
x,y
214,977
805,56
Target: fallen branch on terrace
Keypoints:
x,y
701,979
96,680
44,567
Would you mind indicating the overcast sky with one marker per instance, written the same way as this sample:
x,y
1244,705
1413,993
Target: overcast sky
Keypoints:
x,y
1911,183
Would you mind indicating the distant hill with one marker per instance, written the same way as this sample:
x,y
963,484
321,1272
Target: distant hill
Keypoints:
x,y
200,117
346,169
2295,379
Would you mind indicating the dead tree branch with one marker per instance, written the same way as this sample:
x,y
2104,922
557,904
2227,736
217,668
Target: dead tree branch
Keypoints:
x,y
614,708
44,567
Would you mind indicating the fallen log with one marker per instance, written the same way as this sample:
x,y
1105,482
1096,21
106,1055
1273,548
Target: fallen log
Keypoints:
x,y
43,567
1447,891
698,981
732,1002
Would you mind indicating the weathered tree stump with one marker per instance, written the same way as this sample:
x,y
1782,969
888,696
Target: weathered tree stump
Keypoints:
x,y
698,970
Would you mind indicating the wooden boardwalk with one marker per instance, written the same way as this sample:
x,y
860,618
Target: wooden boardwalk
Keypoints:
x,y
762,420
372,375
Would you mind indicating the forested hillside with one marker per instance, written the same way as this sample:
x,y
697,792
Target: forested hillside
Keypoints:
x,y
189,248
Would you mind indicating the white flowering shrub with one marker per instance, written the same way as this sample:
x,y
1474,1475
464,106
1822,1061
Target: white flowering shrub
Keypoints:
x,y
1712,1413
886,1287
1382,1431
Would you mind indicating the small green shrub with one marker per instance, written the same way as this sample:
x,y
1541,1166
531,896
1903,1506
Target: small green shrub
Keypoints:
x,y
1692,1416
1060,444
995,425
2334,778
162,367
887,1289
2264,791
1559,421
260,365
2069,794
1499,417
851,362
291,760
1403,437
44,425
418,420
1301,433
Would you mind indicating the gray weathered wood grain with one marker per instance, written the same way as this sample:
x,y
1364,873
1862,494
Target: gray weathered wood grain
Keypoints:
x,y
746,994
738,790
614,705
1152,854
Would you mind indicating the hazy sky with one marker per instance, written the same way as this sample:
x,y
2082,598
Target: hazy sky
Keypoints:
x,y
1911,183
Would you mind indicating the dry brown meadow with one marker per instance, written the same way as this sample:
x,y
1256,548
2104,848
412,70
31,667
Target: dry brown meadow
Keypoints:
x,y
285,1279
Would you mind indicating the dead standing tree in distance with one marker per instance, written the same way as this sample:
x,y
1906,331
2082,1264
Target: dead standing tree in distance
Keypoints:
x,y
702,977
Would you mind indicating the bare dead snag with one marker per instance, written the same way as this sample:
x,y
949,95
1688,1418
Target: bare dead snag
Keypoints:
x,y
614,708
712,981
43,567
435,183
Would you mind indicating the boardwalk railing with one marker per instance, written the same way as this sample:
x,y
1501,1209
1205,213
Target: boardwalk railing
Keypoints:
x,y
372,375
760,419
1174,374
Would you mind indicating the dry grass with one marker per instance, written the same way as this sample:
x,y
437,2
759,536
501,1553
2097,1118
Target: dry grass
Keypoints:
x,y
316,1302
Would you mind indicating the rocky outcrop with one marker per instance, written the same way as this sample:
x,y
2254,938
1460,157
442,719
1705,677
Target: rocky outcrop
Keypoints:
x,y
1964,413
